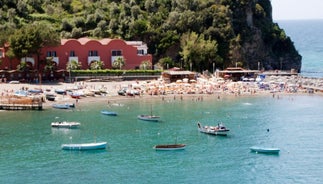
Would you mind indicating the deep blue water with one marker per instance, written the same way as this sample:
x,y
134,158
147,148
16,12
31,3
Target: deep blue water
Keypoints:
x,y
30,149
308,40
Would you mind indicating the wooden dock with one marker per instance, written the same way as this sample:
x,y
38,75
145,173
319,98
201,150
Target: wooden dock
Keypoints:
x,y
38,106
21,103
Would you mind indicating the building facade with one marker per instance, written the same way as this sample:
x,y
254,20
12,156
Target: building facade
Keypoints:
x,y
84,51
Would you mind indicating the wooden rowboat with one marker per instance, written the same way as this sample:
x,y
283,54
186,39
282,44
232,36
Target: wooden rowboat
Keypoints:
x,y
85,146
267,150
169,147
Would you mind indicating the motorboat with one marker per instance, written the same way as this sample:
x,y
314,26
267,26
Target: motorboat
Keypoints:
x,y
219,129
63,106
85,146
148,117
169,147
60,91
267,150
109,113
65,124
50,97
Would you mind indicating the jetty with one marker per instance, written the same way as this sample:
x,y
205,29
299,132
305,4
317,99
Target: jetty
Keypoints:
x,y
21,103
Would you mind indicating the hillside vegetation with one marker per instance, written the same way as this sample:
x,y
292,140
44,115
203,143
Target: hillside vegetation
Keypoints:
x,y
183,33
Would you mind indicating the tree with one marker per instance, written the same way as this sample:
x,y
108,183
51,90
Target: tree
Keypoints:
x,y
235,52
50,65
72,65
118,63
96,65
166,62
197,52
30,39
145,65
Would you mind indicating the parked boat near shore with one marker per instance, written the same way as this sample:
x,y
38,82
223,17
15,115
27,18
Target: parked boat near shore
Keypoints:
x,y
109,113
169,147
65,124
85,146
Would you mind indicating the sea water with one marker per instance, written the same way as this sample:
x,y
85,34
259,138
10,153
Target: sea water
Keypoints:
x,y
30,150
308,40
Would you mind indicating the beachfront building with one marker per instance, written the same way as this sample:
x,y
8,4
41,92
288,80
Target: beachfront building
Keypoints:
x,y
84,51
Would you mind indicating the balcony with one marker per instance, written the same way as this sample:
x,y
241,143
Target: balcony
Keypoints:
x,y
93,58
55,59
73,58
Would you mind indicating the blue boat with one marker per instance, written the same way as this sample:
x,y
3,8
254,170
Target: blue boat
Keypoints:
x,y
109,113
60,91
85,146
267,150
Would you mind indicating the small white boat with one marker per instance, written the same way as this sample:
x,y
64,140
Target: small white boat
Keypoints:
x,y
109,113
64,106
268,150
219,129
169,147
148,117
85,146
151,117
65,124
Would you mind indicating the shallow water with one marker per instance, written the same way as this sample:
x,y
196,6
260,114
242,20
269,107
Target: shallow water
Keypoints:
x,y
30,149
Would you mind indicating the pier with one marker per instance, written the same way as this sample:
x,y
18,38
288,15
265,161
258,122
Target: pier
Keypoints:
x,y
21,103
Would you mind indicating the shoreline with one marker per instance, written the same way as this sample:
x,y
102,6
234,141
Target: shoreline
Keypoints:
x,y
157,89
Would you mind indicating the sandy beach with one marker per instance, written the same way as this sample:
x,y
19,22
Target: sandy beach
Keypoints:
x,y
93,91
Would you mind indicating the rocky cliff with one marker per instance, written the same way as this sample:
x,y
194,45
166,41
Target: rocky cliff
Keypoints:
x,y
264,44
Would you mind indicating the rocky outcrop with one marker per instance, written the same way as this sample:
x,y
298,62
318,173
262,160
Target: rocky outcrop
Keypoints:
x,y
264,44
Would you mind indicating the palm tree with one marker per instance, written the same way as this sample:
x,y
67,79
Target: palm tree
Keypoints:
x,y
96,65
118,63
72,65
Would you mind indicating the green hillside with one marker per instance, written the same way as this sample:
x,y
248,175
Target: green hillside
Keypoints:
x,y
178,32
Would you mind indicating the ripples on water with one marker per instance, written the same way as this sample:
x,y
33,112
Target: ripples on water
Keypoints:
x,y
30,150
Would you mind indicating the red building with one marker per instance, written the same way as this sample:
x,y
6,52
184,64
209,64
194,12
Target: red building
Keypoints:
x,y
84,51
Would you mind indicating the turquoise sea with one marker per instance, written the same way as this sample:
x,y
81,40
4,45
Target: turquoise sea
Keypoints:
x,y
308,40
30,149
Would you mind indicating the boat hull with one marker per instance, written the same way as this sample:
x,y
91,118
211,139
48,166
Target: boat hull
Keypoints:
x,y
169,147
266,150
109,113
149,118
213,130
86,146
65,124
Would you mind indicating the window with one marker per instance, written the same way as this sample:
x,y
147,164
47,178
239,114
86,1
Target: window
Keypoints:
x,y
51,54
140,52
93,53
72,53
116,53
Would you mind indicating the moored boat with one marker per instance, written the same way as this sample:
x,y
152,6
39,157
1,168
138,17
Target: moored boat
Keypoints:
x,y
267,150
85,146
60,91
169,147
64,106
109,113
65,124
149,117
219,129
50,97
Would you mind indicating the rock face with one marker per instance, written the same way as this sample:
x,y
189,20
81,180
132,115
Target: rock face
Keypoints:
x,y
264,44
